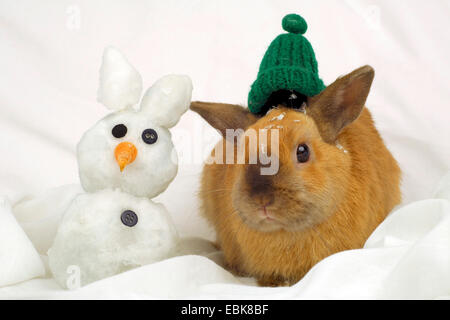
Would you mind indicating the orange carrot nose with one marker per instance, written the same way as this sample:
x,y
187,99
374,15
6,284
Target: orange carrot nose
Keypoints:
x,y
125,154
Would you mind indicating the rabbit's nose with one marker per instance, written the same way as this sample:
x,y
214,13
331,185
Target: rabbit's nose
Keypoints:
x,y
125,153
257,183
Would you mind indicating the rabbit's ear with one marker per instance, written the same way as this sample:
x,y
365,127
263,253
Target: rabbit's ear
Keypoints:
x,y
341,102
167,100
120,84
223,116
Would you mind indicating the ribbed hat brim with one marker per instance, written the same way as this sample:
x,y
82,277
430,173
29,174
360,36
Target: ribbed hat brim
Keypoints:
x,y
282,78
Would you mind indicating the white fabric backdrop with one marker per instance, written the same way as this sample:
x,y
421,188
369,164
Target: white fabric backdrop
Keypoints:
x,y
51,53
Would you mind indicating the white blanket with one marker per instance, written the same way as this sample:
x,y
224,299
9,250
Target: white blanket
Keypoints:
x,y
408,256
50,57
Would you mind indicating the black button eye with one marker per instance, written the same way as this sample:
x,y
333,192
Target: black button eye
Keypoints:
x,y
302,153
119,131
149,136
129,218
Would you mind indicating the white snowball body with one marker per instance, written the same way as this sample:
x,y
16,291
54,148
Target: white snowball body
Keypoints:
x,y
148,175
93,240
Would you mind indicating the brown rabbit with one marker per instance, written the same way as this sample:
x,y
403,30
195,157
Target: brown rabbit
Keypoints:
x,y
336,183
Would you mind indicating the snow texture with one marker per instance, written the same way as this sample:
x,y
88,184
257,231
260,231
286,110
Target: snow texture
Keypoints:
x,y
168,99
279,117
156,164
93,238
120,83
148,175
340,147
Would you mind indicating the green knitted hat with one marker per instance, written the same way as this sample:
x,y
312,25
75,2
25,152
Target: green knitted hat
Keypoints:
x,y
289,64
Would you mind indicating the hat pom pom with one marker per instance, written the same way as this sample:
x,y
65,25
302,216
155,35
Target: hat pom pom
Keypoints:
x,y
293,23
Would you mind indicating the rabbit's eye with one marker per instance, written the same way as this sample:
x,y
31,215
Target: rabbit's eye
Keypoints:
x,y
129,218
149,136
302,153
119,131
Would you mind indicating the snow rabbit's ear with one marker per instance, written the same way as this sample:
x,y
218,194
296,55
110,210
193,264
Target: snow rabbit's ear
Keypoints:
x,y
167,100
120,84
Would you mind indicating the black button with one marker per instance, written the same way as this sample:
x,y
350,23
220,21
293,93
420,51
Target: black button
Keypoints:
x,y
119,131
149,136
129,218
